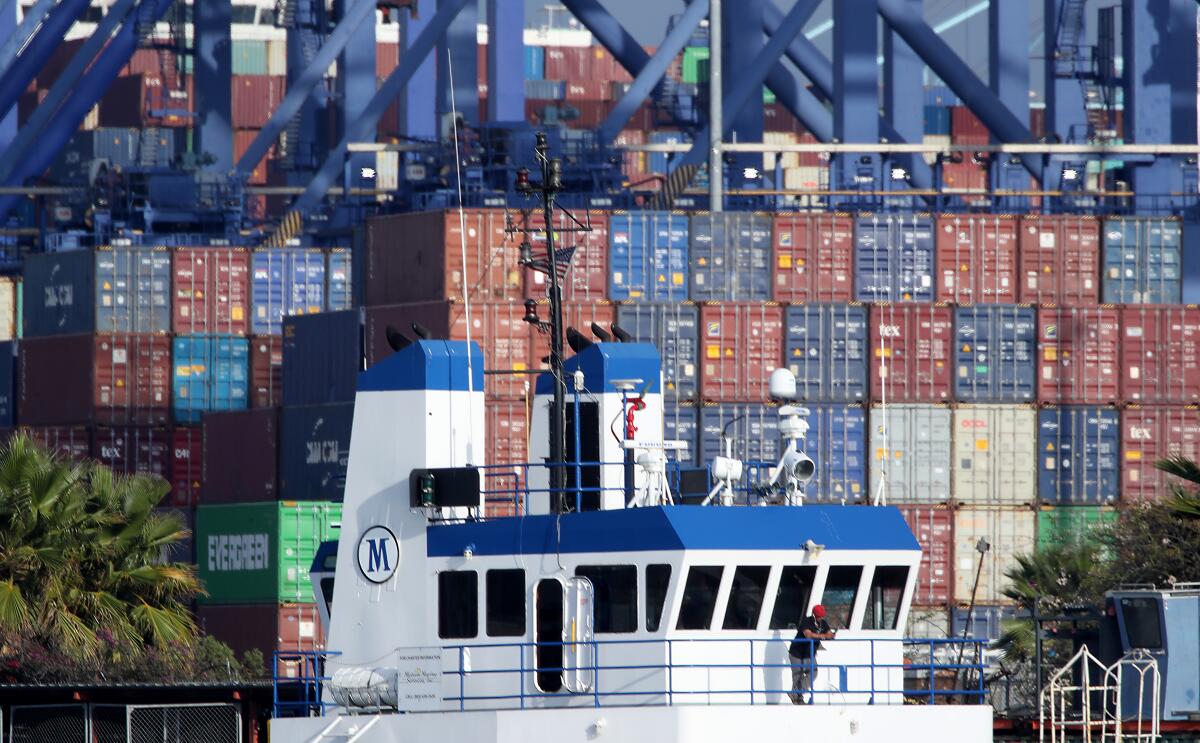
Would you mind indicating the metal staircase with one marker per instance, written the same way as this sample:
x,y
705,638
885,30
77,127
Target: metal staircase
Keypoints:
x,y
1089,66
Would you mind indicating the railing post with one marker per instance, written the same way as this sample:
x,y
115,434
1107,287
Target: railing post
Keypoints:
x,y
751,642
670,674
521,662
932,678
872,641
462,680
595,671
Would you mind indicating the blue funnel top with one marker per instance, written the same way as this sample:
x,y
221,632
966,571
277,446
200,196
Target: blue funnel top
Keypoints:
x,y
426,365
604,363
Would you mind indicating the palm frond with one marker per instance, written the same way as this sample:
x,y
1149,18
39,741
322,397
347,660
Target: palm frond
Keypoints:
x,y
164,625
1185,468
14,610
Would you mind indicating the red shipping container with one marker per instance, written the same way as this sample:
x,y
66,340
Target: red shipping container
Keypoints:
x,y
62,55
255,98
240,456
966,127
418,257
507,444
933,526
186,465
145,100
266,371
497,327
776,118
741,344
242,138
1037,122
587,278
589,90
568,63
254,207
268,628
1078,355
211,291
1060,260
964,176
976,259
1149,434
814,258
113,379
1160,354
73,443
912,352
133,450
387,57
578,315
149,62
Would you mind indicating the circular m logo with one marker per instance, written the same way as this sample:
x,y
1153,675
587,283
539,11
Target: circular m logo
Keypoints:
x,y
378,554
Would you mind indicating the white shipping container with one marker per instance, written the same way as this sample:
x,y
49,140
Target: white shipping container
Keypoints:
x,y
790,159
277,57
806,178
8,308
910,450
995,455
936,140
387,172
1009,532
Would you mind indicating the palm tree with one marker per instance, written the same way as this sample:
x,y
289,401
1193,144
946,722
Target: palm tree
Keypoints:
x,y
1184,499
81,566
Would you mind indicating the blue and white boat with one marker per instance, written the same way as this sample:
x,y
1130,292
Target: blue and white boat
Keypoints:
x,y
631,604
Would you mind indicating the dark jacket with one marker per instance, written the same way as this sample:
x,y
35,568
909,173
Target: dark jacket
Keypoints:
x,y
802,647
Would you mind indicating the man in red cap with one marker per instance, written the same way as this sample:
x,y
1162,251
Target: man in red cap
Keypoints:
x,y
809,634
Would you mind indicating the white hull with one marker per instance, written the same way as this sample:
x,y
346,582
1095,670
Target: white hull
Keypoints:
x,y
694,724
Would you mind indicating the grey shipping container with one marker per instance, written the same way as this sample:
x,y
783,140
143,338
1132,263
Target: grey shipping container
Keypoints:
x,y
995,455
674,330
109,290
682,423
982,622
825,346
240,456
995,353
322,356
314,450
910,451
730,257
1142,261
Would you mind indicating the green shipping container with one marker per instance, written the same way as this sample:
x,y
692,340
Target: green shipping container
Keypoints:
x,y
695,69
251,553
1067,524
249,57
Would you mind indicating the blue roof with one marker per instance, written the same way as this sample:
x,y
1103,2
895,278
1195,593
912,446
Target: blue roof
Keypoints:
x,y
602,363
679,528
425,365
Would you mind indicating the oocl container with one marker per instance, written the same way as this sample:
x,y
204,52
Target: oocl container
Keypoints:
x,y
211,373
1142,260
893,258
73,443
1151,433
730,256
836,440
648,258
266,371
682,423
1079,355
814,258
934,529
186,465
995,354
211,291
1079,455
1009,531
133,450
976,258
256,553
1160,354
825,346
673,329
285,281
322,356
241,456
994,455
314,449
1071,525
586,279
910,449
112,379
267,628
741,344
119,289
1059,260
912,350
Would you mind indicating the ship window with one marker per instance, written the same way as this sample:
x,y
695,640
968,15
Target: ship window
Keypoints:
x,y
458,603
841,588
883,602
327,592
791,600
658,582
243,13
1142,623
746,597
700,597
506,603
616,596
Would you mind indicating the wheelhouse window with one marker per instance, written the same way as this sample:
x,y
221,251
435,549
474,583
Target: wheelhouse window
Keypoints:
x,y
841,589
699,597
746,597
458,604
1142,622
883,601
506,602
615,607
658,582
791,600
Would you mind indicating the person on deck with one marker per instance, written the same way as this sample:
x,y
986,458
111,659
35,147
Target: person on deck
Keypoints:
x,y
809,634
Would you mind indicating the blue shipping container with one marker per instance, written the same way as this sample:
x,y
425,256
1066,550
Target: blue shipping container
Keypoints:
x,y
110,290
314,449
1142,261
893,258
339,293
836,441
730,257
659,162
674,330
211,373
940,95
286,281
8,363
754,429
535,62
995,353
937,120
682,423
1079,454
826,347
648,256
545,90
322,356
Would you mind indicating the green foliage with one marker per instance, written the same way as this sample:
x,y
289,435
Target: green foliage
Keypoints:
x,y
1184,499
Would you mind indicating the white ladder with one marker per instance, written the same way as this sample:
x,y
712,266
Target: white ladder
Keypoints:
x,y
1074,707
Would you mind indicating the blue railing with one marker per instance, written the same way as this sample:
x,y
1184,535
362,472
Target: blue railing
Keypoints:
x,y
922,671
